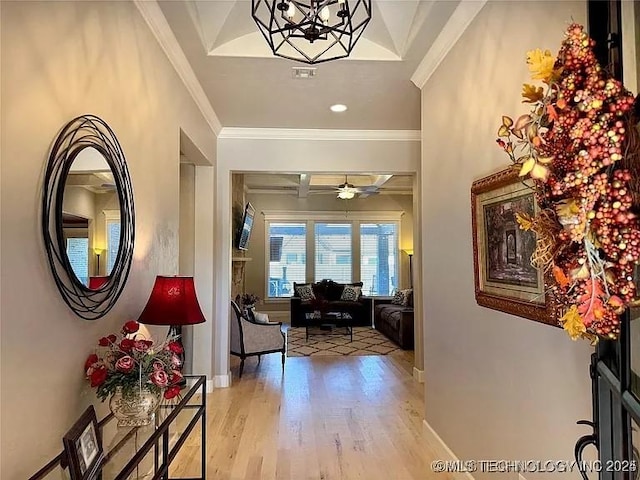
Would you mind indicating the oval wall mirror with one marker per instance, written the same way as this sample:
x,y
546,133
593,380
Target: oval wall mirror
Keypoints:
x,y
88,216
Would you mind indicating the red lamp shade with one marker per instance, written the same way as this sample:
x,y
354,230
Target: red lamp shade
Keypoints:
x,y
96,282
173,301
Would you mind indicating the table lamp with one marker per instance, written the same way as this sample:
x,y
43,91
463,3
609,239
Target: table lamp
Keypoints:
x,y
173,302
95,283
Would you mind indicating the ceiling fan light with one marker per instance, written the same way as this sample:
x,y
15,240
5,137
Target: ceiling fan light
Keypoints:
x,y
346,194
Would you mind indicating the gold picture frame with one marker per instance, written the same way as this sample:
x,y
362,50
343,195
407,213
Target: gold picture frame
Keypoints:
x,y
505,280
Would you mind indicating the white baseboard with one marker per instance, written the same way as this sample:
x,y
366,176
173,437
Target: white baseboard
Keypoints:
x,y
210,386
221,381
442,451
418,375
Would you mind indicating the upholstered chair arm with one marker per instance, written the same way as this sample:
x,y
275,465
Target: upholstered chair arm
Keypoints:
x,y
262,337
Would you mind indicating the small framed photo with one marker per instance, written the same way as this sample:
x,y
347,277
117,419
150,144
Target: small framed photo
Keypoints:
x,y
83,447
505,280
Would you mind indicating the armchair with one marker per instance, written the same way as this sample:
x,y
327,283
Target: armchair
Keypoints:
x,y
251,339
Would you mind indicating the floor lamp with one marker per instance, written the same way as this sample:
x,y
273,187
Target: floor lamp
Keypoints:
x,y
98,252
173,302
410,253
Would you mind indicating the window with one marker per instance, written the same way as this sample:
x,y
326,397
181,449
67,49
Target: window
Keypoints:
x,y
78,255
287,257
379,258
113,243
345,247
333,252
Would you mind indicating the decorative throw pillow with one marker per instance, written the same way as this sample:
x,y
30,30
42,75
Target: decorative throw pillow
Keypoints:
x,y
402,297
351,293
305,292
398,297
407,300
261,317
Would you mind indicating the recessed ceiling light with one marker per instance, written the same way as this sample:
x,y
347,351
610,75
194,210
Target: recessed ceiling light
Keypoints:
x,y
338,107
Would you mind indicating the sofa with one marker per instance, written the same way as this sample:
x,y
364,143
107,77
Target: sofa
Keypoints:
x,y
327,298
395,322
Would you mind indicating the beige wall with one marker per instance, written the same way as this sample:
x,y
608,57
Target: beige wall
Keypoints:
x,y
497,386
187,219
60,60
255,272
186,249
79,201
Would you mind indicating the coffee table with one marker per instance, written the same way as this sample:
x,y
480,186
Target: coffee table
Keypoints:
x,y
328,320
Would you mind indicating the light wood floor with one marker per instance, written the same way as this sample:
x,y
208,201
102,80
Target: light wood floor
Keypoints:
x,y
326,418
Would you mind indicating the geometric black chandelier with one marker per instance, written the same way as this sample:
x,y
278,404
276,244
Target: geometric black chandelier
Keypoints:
x,y
311,31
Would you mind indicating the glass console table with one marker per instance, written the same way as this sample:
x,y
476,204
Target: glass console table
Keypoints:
x,y
148,452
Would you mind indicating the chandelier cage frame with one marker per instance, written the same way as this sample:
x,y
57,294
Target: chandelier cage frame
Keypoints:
x,y
276,20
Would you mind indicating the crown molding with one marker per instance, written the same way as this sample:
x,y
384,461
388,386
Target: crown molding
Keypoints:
x,y
450,34
319,134
303,215
313,193
152,14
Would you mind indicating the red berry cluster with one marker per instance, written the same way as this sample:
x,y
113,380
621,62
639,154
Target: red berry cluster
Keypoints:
x,y
586,120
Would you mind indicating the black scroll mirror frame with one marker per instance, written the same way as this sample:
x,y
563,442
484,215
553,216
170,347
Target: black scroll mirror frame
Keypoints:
x,y
80,133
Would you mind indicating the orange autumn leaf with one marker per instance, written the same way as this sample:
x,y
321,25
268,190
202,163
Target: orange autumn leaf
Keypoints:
x,y
560,277
591,306
551,112
594,287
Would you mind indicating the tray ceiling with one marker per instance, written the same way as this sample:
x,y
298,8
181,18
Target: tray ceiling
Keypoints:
x,y
248,87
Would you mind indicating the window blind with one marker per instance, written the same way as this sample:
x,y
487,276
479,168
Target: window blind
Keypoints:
x,y
78,255
287,257
333,252
379,258
113,243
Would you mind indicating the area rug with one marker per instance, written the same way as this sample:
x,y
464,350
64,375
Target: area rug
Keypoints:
x,y
366,341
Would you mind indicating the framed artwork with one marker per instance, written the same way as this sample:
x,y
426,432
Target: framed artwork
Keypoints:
x,y
83,447
505,280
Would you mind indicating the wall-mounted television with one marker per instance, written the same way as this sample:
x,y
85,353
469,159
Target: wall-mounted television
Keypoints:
x,y
245,230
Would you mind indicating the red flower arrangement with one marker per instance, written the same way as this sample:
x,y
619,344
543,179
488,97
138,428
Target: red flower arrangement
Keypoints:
x,y
579,145
131,362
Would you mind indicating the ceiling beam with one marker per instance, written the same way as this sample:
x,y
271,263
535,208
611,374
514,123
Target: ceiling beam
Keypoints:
x,y
380,180
305,181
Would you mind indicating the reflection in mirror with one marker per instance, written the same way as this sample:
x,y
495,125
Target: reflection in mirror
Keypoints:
x,y
91,217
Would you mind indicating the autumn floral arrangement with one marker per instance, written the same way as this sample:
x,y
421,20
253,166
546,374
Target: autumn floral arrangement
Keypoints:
x,y
579,145
132,363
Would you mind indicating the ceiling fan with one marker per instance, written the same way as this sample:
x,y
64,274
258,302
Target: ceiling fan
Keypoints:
x,y
346,190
